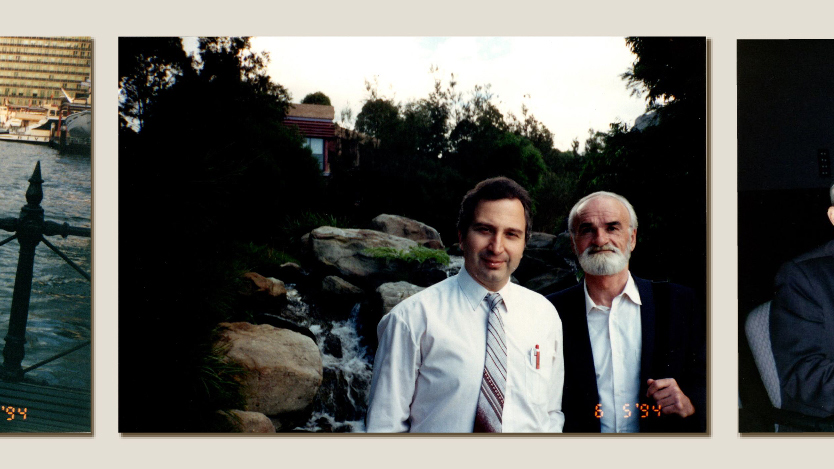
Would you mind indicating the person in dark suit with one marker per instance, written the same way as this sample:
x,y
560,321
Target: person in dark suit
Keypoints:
x,y
634,350
802,331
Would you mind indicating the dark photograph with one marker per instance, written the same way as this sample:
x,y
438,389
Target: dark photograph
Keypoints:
x,y
785,247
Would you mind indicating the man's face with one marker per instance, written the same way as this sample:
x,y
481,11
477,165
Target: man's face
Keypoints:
x,y
494,242
603,239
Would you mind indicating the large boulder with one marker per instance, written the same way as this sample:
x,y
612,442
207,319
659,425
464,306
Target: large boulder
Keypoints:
x,y
409,229
391,294
283,368
344,252
387,296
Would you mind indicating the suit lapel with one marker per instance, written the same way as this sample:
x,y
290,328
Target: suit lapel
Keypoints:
x,y
647,327
585,379
589,377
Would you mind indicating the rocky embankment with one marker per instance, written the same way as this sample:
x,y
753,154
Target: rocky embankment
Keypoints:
x,y
306,362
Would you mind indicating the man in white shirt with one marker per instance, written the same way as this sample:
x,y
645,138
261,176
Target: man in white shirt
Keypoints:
x,y
432,371
635,349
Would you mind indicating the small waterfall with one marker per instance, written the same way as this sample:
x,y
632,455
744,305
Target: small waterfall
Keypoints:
x,y
342,400
297,310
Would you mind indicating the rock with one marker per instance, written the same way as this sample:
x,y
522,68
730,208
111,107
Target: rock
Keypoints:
x,y
343,252
540,240
264,296
391,294
283,368
345,393
272,286
551,282
248,422
434,244
335,286
336,391
646,120
544,254
324,424
337,298
455,250
290,272
387,296
333,346
283,323
530,266
409,229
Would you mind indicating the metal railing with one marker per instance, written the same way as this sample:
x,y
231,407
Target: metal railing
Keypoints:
x,y
30,229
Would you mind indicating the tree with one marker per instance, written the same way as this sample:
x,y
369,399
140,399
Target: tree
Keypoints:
x,y
667,69
316,98
432,150
661,169
147,67
211,167
379,118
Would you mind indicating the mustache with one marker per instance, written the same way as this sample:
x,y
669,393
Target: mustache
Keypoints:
x,y
604,248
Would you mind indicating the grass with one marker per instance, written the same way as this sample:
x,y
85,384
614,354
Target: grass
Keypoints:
x,y
418,254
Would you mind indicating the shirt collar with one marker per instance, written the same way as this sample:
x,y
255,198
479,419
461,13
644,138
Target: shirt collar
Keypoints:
x,y
475,292
630,292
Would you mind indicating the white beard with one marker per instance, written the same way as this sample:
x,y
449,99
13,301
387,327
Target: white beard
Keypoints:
x,y
608,261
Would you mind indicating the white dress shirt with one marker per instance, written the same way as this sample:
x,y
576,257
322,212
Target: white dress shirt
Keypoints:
x,y
430,361
616,342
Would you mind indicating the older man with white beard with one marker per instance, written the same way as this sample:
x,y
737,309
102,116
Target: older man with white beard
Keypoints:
x,y
635,350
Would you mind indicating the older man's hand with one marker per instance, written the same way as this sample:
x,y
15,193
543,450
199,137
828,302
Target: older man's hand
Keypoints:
x,y
669,396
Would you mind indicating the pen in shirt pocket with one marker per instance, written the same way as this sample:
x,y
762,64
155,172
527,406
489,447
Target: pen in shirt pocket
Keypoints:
x,y
538,355
535,357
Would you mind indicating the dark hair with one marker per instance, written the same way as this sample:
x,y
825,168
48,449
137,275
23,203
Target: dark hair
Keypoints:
x,y
495,189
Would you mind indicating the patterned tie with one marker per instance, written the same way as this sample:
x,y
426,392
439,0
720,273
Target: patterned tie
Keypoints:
x,y
491,400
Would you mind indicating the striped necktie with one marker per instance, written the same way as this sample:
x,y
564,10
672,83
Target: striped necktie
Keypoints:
x,y
494,382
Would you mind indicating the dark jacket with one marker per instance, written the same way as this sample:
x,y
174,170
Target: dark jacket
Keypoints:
x,y
674,346
802,332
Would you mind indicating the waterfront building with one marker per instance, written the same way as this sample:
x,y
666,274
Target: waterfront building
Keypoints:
x,y
35,70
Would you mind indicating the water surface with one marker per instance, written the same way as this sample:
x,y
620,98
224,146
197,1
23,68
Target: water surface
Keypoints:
x,y
60,306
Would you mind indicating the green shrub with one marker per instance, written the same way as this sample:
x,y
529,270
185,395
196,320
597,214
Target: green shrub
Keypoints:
x,y
417,254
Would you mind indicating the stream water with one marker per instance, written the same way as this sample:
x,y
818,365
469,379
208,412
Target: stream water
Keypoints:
x,y
342,401
60,305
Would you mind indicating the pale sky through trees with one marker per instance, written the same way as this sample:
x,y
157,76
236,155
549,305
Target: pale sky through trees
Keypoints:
x,y
569,84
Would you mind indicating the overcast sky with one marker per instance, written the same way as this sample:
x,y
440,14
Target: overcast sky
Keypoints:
x,y
569,84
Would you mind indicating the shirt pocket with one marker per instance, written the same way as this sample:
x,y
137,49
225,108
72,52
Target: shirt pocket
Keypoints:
x,y
537,380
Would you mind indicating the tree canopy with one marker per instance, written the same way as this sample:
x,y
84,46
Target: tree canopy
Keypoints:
x,y
316,98
661,169
206,163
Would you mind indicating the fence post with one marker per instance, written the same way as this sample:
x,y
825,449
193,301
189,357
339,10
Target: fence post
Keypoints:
x,y
29,233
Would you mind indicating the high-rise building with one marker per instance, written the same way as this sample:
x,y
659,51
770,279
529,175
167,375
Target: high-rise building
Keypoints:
x,y
34,70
